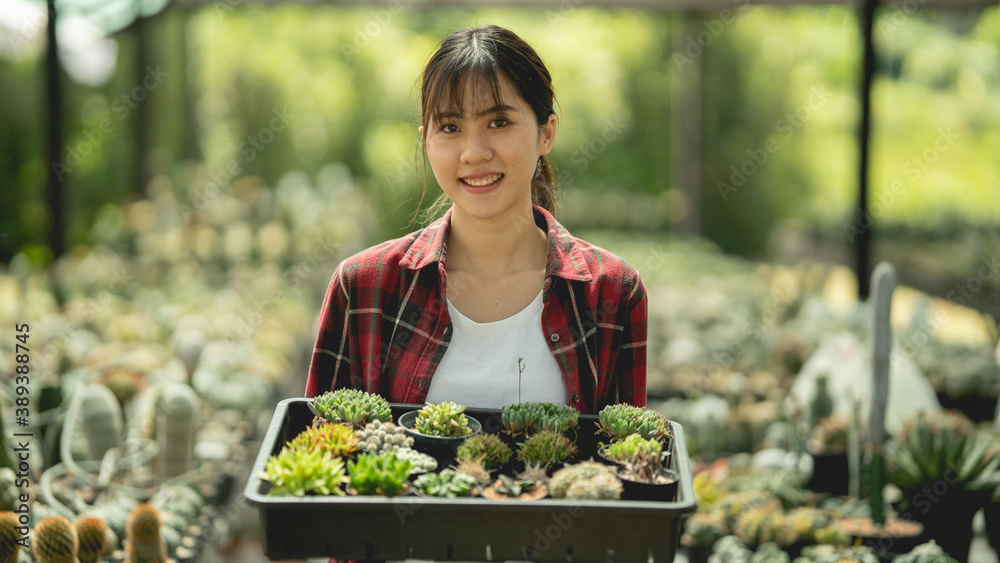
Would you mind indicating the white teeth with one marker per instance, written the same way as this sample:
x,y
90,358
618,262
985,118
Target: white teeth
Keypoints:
x,y
484,181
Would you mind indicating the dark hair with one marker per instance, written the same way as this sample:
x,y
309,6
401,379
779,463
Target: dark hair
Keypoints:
x,y
476,57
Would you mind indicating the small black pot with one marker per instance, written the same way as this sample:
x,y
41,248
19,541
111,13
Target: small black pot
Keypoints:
x,y
662,492
830,473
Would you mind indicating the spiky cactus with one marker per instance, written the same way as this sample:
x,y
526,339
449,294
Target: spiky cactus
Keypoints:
x,y
352,407
883,285
9,548
379,436
488,447
830,435
176,421
586,480
55,541
546,447
476,469
92,534
335,440
100,418
764,524
620,420
144,543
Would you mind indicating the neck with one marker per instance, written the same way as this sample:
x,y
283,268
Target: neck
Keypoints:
x,y
497,246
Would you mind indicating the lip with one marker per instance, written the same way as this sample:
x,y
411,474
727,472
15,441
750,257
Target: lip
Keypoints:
x,y
482,189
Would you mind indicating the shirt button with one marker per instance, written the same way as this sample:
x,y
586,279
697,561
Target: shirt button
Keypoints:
x,y
554,337
576,397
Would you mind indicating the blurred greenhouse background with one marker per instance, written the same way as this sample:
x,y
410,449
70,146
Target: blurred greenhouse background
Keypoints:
x,y
219,158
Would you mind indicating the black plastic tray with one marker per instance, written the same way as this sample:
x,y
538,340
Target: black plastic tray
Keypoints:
x,y
471,529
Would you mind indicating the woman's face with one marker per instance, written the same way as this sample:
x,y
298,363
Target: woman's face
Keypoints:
x,y
485,158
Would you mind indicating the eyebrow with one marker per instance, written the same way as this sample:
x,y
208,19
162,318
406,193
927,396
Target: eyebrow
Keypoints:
x,y
504,108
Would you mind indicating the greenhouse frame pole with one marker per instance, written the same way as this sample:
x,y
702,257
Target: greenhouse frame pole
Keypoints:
x,y
863,224
54,189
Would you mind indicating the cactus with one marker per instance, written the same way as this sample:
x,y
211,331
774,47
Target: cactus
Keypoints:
x,y
528,418
883,285
447,483
733,504
55,541
831,554
443,419
123,383
100,416
769,552
586,480
546,448
9,537
380,436
928,552
335,440
832,535
144,544
297,472
830,435
488,447
352,407
730,549
633,448
379,474
705,528
806,522
474,467
419,461
179,499
509,487
176,421
92,534
764,524
620,420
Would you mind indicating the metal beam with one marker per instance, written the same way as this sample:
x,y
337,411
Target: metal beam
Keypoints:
x,y
55,192
864,226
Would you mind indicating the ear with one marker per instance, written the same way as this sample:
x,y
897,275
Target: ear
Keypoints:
x,y
547,135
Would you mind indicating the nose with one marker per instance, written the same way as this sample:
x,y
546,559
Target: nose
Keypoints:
x,y
476,148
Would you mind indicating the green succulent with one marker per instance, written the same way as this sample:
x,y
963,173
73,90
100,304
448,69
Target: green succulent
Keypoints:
x,y
705,528
546,448
511,487
633,448
806,521
769,552
379,436
620,420
945,445
729,549
379,474
528,418
830,435
831,554
419,461
489,448
352,407
929,552
336,440
763,524
586,480
445,419
448,483
299,471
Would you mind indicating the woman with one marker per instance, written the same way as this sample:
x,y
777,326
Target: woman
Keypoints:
x,y
494,303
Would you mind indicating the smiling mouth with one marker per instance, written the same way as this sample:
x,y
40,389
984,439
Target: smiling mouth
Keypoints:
x,y
484,182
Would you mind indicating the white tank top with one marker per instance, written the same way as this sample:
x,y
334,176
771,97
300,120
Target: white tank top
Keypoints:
x,y
480,367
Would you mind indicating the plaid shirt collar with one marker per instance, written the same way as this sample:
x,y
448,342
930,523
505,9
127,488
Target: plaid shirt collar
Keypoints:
x,y
565,260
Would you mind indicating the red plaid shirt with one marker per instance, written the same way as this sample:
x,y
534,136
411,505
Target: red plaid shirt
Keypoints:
x,y
384,326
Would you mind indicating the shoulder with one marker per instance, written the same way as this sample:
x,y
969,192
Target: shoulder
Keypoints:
x,y
381,259
607,268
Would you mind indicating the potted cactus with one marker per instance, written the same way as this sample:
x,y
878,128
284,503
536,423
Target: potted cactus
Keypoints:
x,y
439,429
642,470
586,480
489,448
379,474
302,471
528,418
335,440
507,487
380,436
827,445
546,448
55,541
352,407
620,420
448,483
144,544
629,448
929,552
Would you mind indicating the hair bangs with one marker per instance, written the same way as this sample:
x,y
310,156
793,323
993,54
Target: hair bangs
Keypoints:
x,y
474,71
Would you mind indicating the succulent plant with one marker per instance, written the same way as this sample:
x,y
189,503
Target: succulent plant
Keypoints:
x,y
9,537
475,469
508,486
124,383
92,534
632,448
735,503
830,435
100,419
443,419
705,527
536,472
545,448
379,474
335,440
832,554
620,420
297,472
144,543
806,521
179,499
419,461
729,549
586,480
528,418
764,524
485,446
832,535
54,540
770,552
929,552
176,421
380,436
352,407
946,445
448,483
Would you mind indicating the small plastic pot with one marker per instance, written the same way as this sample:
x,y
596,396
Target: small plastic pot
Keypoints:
x,y
437,446
662,492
